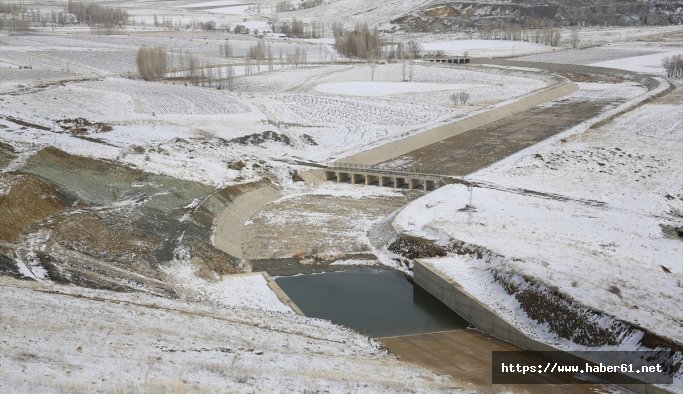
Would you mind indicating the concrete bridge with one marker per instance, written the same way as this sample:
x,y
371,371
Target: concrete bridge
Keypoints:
x,y
366,175
449,59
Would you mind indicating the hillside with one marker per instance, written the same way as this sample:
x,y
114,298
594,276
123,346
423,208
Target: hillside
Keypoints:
x,y
454,15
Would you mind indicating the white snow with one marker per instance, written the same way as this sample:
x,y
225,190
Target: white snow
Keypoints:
x,y
207,4
232,10
340,190
104,341
605,196
354,262
482,48
244,290
387,88
649,64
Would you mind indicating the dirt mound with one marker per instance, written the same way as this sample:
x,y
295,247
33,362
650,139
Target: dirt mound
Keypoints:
x,y
260,138
412,247
82,126
24,200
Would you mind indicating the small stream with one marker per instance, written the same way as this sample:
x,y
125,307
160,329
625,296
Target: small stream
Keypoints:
x,y
377,302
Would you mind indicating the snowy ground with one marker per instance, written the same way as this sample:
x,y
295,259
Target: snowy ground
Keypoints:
x,y
640,56
159,126
485,48
351,12
602,197
227,291
117,342
328,219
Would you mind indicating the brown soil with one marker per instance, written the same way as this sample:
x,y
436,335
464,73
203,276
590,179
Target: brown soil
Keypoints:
x,y
483,146
311,225
7,154
211,262
99,236
31,199
413,247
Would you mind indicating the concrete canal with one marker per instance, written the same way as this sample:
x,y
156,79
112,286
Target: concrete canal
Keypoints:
x,y
375,302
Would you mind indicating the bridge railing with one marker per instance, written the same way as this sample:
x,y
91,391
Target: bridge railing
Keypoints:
x,y
350,167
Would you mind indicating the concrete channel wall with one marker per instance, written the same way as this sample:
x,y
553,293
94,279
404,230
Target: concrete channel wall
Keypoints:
x,y
409,144
281,294
229,225
453,295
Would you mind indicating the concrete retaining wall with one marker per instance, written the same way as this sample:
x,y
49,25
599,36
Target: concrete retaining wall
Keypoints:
x,y
281,294
409,144
453,295
229,225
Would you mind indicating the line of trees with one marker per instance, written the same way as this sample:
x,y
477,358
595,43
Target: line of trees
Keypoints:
x,y
156,63
15,26
546,36
12,7
93,13
286,5
298,29
359,42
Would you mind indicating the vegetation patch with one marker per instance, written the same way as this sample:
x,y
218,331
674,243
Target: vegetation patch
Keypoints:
x,y
412,247
82,126
27,199
560,314
261,138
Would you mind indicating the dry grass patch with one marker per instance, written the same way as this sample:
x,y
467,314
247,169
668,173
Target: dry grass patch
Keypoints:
x,y
28,199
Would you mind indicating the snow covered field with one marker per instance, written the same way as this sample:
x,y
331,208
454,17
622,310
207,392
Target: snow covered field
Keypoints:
x,y
484,48
120,342
386,88
642,57
594,225
158,125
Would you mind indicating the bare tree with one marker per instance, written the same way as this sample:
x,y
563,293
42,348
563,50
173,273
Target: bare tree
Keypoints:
x,y
361,42
152,63
575,39
460,98
283,6
411,63
464,97
226,49
373,65
673,66
414,49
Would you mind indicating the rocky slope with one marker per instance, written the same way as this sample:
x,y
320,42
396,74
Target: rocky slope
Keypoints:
x,y
461,14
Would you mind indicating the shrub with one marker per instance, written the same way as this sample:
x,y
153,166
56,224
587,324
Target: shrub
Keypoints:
x,y
152,63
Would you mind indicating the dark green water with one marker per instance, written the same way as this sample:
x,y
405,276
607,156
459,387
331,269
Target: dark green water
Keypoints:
x,y
375,302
